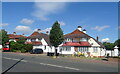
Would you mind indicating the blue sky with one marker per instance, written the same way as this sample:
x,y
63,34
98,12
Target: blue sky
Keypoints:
x,y
98,18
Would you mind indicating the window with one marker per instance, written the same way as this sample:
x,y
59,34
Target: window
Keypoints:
x,y
95,50
68,40
83,49
65,48
33,40
45,47
83,39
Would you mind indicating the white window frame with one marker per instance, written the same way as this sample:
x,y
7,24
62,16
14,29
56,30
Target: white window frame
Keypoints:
x,y
95,49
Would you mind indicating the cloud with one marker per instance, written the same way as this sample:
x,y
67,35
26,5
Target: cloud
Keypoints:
x,y
105,40
3,24
61,23
26,21
100,28
47,29
44,9
23,29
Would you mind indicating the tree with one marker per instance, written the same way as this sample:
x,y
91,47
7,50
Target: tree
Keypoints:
x,y
21,40
3,37
108,45
56,36
117,43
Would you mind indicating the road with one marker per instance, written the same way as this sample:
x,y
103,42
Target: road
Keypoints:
x,y
27,63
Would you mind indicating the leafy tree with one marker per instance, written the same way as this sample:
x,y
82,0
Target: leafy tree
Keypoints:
x,y
56,36
3,37
21,40
108,45
117,42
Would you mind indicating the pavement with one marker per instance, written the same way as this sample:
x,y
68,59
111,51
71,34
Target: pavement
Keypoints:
x,y
19,62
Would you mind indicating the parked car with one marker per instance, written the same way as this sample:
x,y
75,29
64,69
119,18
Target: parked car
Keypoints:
x,y
5,49
36,51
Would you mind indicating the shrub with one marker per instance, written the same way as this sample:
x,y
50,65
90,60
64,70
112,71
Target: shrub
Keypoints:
x,y
23,50
28,47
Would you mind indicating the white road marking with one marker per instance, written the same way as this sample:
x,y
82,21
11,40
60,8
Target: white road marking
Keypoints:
x,y
24,61
72,68
6,58
59,66
16,59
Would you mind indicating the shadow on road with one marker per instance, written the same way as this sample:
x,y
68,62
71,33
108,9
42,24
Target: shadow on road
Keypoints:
x,y
12,66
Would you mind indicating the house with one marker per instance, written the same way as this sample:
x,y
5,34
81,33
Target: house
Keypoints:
x,y
14,37
40,40
80,41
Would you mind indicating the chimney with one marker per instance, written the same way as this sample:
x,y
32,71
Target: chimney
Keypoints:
x,y
97,38
84,31
47,32
14,33
38,30
23,34
79,28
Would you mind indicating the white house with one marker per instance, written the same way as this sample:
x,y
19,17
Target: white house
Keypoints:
x,y
40,40
77,41
80,41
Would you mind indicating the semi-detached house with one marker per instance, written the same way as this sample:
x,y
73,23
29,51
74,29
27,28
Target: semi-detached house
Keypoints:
x,y
76,41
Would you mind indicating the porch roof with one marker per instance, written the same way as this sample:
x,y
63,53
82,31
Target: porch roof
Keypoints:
x,y
76,44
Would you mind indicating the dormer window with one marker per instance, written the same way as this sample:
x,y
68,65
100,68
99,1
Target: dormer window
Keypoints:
x,y
83,39
68,40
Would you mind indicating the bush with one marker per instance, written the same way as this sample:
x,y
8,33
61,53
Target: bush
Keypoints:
x,y
23,50
28,47
15,46
13,50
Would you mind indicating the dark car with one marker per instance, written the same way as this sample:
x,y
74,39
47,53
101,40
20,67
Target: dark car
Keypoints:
x,y
36,51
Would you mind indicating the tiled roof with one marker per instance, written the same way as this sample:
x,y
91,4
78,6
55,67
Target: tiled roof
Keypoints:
x,y
40,36
79,34
12,36
34,34
34,43
76,34
76,44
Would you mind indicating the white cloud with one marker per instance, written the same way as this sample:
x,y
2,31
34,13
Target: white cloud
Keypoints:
x,y
44,9
61,23
47,29
26,21
100,28
3,24
105,40
23,29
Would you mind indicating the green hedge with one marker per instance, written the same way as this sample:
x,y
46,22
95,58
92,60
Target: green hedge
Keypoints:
x,y
15,46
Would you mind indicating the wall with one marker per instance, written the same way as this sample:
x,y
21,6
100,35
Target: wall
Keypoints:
x,y
114,52
93,42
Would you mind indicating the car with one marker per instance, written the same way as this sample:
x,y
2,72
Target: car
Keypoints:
x,y
36,51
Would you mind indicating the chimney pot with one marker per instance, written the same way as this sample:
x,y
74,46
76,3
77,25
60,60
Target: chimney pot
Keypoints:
x,y
47,32
14,33
84,31
39,30
79,28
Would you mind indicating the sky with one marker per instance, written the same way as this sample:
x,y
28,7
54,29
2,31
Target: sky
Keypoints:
x,y
98,18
